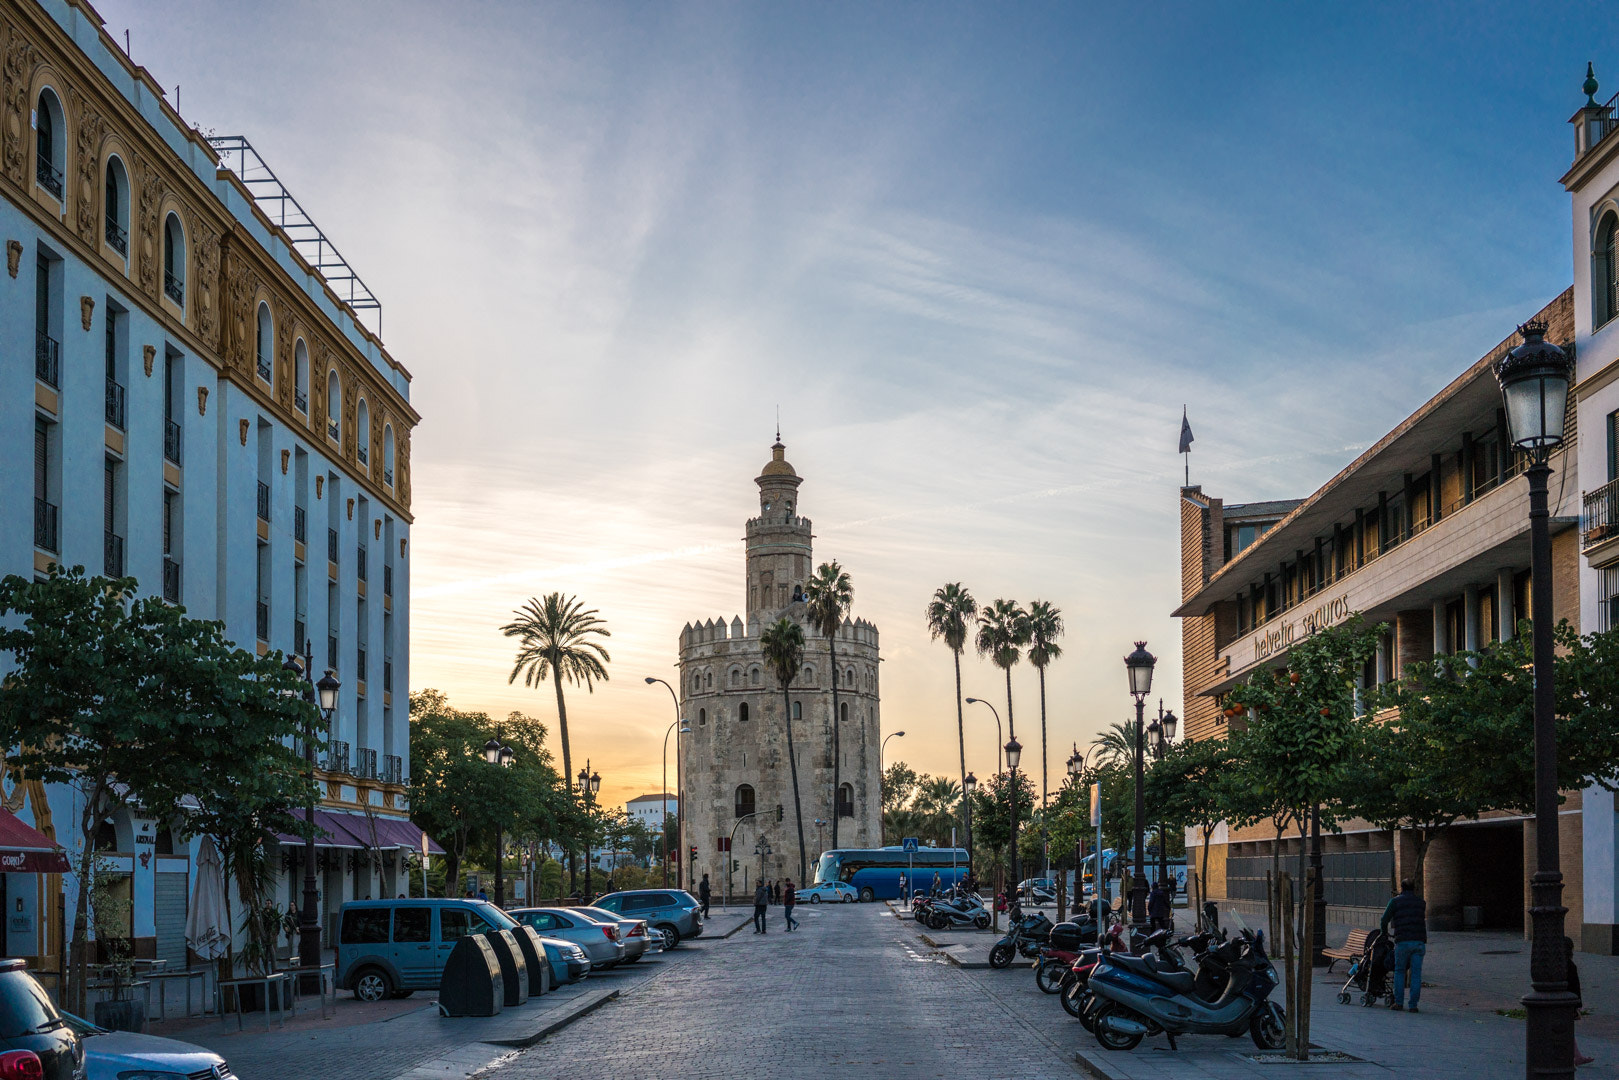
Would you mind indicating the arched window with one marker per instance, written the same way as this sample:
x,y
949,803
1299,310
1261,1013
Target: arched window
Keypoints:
x,y
708,680
809,675
362,434
334,407
845,801
388,454
848,677
300,377
1605,271
174,260
50,143
742,712
116,227
736,677
798,710
843,710
753,676
696,681
744,800
702,717
265,344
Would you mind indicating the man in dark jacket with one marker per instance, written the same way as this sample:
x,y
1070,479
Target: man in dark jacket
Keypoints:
x,y
703,893
1406,921
761,904
789,899
1158,906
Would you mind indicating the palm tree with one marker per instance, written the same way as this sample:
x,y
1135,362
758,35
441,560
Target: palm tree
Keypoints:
x,y
828,594
938,798
952,606
1003,630
555,641
1118,744
783,646
1045,627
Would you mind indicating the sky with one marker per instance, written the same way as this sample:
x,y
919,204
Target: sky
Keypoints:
x,y
978,256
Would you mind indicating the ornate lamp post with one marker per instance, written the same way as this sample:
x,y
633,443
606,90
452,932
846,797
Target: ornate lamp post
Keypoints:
x,y
1014,751
1160,733
1534,380
589,784
680,799
969,785
323,695
1138,665
498,753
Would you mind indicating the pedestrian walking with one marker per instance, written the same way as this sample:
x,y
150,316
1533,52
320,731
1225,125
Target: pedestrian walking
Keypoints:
x,y
903,895
1573,980
938,883
761,904
703,894
1406,921
1158,906
789,898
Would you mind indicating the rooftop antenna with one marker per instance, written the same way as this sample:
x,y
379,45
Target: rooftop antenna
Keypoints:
x,y
126,41
778,423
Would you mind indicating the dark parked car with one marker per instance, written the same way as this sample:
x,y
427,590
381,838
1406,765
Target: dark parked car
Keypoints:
x,y
28,1021
672,913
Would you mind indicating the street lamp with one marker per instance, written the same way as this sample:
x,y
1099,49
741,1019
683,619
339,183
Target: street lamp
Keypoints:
x,y
1138,666
1160,733
1014,751
761,849
1534,380
980,701
589,784
323,695
498,753
882,825
680,801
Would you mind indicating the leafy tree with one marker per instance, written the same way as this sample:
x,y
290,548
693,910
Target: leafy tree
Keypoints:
x,y
557,641
829,595
1045,627
783,646
136,704
993,803
1197,785
899,784
948,613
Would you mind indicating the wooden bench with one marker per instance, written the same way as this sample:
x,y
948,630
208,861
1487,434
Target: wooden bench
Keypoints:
x,y
1352,948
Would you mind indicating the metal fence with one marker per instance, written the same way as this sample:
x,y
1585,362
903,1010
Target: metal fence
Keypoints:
x,y
1350,878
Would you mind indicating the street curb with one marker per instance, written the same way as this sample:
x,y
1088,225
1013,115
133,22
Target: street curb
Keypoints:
x,y
584,1009
1096,1068
737,928
457,1063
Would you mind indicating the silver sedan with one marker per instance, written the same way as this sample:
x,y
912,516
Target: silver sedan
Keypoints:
x,y
632,932
110,1055
601,941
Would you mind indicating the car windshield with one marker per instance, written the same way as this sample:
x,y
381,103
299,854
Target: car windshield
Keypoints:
x,y
24,1007
495,917
598,914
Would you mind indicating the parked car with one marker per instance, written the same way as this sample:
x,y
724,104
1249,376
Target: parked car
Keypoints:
x,y
115,1055
568,961
632,932
600,940
674,913
391,948
28,1021
828,892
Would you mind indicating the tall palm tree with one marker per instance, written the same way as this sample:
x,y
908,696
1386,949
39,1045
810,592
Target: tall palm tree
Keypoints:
x,y
783,646
948,613
1045,627
556,641
828,595
1003,630
1118,743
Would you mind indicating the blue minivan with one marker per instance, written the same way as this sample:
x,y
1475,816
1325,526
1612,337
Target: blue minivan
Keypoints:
x,y
390,948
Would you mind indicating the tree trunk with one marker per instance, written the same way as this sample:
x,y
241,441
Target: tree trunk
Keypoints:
x,y
837,732
1203,877
961,741
1011,736
567,764
81,914
1424,838
1044,789
792,760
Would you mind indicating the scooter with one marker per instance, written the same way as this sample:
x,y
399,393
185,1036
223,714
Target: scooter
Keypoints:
x,y
1025,936
964,911
1137,996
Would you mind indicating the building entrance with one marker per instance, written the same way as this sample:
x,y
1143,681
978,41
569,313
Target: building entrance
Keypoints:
x,y
1489,875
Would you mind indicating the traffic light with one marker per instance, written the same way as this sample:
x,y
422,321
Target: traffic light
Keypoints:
x,y
736,864
694,851
778,812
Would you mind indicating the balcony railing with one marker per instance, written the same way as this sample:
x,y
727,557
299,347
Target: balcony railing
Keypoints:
x,y
301,401
359,562
387,476
47,359
115,403
331,651
171,441
1600,521
300,525
45,515
387,579
264,501
174,288
171,580
331,545
262,621
366,765
332,428
266,371
117,238
337,756
393,769
1604,124
363,454
113,554
49,177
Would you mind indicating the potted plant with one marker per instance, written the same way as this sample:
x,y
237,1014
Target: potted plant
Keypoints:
x,y
117,954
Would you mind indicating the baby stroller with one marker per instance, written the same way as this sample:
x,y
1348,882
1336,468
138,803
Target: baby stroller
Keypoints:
x,y
1369,973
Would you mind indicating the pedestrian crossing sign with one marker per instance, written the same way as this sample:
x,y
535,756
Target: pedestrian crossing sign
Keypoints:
x,y
909,844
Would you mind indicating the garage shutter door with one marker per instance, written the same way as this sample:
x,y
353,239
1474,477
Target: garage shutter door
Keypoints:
x,y
170,908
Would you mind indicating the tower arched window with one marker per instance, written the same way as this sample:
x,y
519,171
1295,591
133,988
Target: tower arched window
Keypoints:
x,y
736,677
742,712
265,344
843,710
174,260
798,710
1605,271
702,717
696,681
116,212
708,680
845,800
300,377
362,434
50,143
848,677
334,407
808,674
753,676
744,800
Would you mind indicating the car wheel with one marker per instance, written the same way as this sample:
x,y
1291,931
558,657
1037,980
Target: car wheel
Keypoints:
x,y
815,898
671,936
372,984
847,899
867,895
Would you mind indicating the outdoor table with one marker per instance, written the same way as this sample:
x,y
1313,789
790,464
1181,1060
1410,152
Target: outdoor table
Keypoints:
x,y
162,979
283,998
327,973
142,985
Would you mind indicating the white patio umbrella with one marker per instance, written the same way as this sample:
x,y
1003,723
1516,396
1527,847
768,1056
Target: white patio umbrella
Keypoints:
x,y
206,929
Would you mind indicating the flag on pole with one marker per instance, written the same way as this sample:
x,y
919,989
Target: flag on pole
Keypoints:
x,y
1186,433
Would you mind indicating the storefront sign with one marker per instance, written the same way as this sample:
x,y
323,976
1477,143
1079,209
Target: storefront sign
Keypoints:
x,y
1321,617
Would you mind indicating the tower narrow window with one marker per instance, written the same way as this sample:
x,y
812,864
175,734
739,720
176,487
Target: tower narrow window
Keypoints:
x,y
702,717
1605,271
845,801
744,800
742,712
49,145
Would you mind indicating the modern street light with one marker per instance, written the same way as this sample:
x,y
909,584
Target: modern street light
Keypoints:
x,y
882,825
1014,751
496,752
1534,380
1000,767
1138,665
589,784
680,801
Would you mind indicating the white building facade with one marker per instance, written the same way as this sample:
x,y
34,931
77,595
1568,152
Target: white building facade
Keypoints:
x,y
197,409
649,810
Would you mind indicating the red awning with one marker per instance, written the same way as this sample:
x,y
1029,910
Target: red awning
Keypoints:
x,y
26,850
354,832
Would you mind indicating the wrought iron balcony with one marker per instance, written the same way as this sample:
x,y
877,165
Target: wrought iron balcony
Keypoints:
x,y
363,454
171,580
388,476
47,359
171,441
300,525
266,370
332,428
1605,123
337,756
331,545
393,769
49,176
264,501
174,288
115,403
1600,521
262,620
366,766
45,515
113,555
117,237
301,401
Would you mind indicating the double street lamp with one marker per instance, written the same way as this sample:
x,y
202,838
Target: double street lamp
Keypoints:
x,y
1534,380
589,784
499,753
1138,665
1160,733
323,694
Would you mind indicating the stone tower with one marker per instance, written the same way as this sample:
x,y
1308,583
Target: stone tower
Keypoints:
x,y
735,760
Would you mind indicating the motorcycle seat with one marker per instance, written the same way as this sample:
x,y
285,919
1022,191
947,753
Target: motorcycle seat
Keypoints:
x,y
1177,979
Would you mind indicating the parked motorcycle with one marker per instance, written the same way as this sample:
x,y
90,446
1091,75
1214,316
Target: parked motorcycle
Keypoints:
x,y
1137,996
966,910
1025,936
1057,958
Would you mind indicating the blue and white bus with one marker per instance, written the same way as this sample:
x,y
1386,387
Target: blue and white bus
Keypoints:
x,y
875,872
